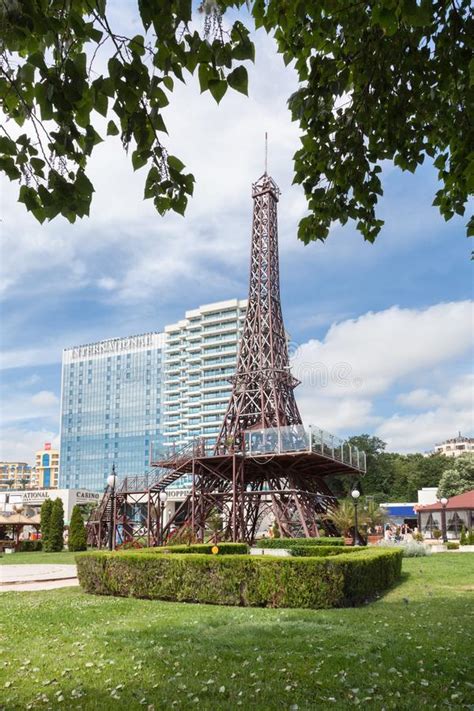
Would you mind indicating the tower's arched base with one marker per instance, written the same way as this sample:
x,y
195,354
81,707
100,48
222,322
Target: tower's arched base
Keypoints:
x,y
250,494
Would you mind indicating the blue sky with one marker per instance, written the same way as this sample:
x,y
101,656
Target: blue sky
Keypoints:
x,y
397,314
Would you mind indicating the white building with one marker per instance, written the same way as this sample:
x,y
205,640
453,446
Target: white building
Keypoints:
x,y
200,357
456,446
33,498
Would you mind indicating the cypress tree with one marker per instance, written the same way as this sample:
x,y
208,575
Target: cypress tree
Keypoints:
x,y
46,510
77,540
55,539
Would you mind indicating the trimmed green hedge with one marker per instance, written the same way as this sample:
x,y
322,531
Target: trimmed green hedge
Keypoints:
x,y
206,548
30,546
292,542
323,551
264,581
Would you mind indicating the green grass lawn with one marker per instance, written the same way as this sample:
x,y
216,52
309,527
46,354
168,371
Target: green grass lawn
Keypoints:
x,y
411,649
37,557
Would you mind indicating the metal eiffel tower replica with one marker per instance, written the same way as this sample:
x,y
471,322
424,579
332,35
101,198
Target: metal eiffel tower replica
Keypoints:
x,y
262,394
266,466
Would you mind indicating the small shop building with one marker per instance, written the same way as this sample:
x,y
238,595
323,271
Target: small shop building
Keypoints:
x,y
459,514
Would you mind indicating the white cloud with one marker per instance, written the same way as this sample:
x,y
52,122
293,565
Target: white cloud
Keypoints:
x,y
125,248
421,397
444,413
369,354
22,407
347,375
45,399
421,431
20,445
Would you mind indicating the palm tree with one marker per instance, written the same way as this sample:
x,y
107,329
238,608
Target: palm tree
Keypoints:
x,y
373,515
342,517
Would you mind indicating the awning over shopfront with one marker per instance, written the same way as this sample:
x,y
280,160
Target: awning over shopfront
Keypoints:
x,y
399,510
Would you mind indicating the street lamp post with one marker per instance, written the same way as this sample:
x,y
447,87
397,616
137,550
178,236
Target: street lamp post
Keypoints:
x,y
111,481
163,500
444,503
356,541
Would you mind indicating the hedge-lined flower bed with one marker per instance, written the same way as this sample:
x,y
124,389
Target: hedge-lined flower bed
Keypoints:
x,y
292,542
313,582
206,548
323,551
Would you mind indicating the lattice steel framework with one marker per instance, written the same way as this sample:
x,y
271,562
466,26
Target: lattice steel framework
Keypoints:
x,y
245,484
262,394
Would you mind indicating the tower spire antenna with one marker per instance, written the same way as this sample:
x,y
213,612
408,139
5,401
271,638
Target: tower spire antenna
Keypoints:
x,y
266,152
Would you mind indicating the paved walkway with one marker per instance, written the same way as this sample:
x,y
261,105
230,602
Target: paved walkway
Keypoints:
x,y
37,577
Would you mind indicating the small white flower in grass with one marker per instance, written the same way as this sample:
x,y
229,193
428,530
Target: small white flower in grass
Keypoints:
x,y
7,684
424,682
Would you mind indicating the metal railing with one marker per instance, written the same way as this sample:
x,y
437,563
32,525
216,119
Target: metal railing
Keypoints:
x,y
298,438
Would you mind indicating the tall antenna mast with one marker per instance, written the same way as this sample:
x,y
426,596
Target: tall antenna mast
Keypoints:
x,y
266,152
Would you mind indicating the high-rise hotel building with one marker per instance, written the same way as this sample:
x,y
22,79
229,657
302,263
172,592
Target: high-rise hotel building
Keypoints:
x,y
200,358
110,409
126,401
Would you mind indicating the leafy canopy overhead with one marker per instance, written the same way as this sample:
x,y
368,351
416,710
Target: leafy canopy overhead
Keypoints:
x,y
387,80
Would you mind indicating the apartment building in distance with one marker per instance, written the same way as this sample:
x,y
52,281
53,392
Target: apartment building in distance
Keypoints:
x,y
456,446
15,475
46,472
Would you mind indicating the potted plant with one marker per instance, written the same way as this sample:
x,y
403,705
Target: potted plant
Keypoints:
x,y
374,518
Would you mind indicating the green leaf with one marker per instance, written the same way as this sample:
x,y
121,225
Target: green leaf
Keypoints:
x,y
238,80
112,129
140,158
218,88
203,75
385,17
137,45
175,163
470,227
101,104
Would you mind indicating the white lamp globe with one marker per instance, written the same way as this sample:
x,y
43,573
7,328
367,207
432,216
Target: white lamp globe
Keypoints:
x,y
443,501
112,480
163,497
355,494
